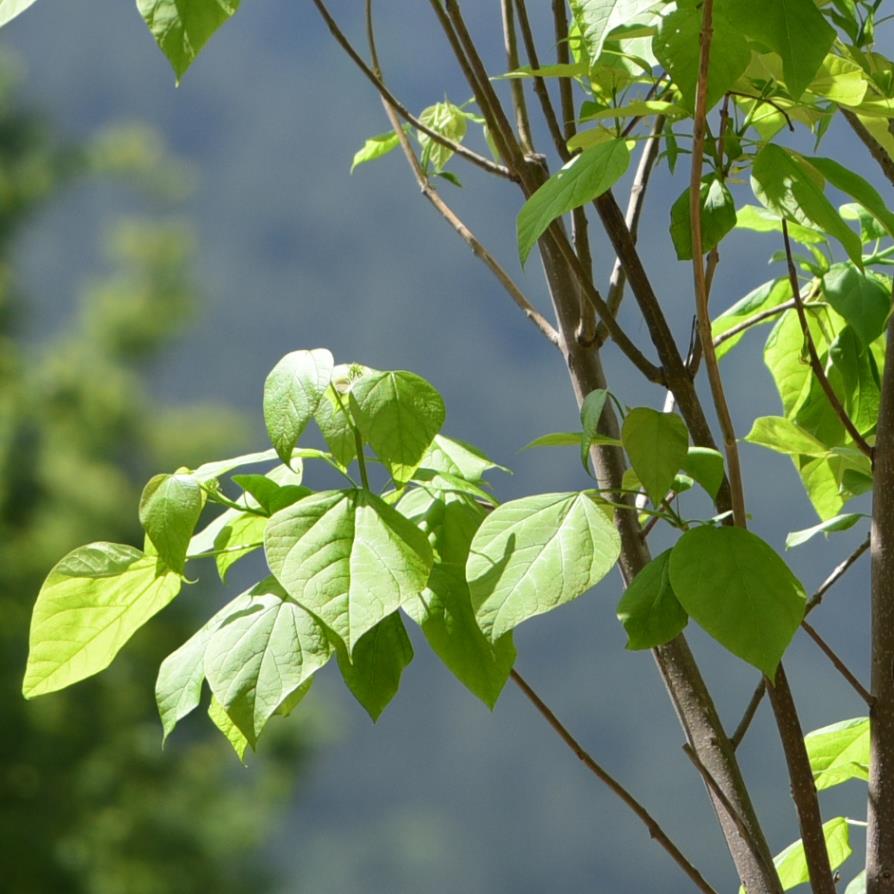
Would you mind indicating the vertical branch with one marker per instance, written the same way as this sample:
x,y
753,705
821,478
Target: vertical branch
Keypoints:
x,y
880,833
510,41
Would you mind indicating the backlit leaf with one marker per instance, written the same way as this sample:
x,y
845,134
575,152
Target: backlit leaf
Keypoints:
x,y
839,752
169,509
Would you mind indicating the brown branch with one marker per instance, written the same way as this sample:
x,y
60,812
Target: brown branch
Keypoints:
x,y
837,663
755,702
656,832
563,57
880,832
876,149
753,320
516,87
816,364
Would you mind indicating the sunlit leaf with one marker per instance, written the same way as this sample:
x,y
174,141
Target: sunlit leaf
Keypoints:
x,y
839,752
169,509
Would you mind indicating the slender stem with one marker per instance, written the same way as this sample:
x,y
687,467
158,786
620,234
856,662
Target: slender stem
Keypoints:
x,y
816,364
838,664
540,88
742,727
753,320
463,151
358,441
515,85
876,149
654,827
880,834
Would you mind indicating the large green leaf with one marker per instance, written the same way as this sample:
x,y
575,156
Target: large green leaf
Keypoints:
x,y
795,29
9,9
347,557
860,298
784,182
373,670
292,393
258,656
178,688
740,591
398,414
182,27
839,752
649,610
657,444
596,19
718,217
89,606
444,610
169,509
585,177
678,49
784,436
532,555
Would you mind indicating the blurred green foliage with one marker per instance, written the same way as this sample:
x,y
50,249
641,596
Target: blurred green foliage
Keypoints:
x,y
88,800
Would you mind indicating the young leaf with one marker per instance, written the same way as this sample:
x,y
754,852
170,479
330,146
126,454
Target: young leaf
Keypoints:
x,y
795,29
332,418
649,610
292,393
89,606
373,671
448,120
169,509
347,557
677,48
784,183
740,591
444,610
178,688
398,414
557,439
657,444
860,298
375,147
838,523
9,9
216,468
706,467
784,436
590,415
718,217
839,752
237,539
257,657
182,28
581,180
532,555
458,458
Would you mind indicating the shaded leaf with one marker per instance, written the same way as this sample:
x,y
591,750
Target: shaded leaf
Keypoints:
x,y
657,444
860,298
649,610
170,507
718,218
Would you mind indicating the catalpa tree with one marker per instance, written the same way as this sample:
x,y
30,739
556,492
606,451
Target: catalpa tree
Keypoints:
x,y
721,89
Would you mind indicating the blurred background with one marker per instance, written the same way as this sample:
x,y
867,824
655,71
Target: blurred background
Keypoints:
x,y
160,249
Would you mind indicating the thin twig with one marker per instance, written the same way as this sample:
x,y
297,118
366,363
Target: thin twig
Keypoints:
x,y
815,363
876,149
470,155
540,88
742,727
516,87
838,664
753,320
655,830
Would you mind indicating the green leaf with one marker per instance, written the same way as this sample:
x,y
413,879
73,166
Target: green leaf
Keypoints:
x,y
840,81
785,183
532,555
375,147
241,536
649,610
857,188
677,47
444,610
169,509
373,670
857,884
760,220
292,393
216,468
598,18
182,27
837,523
718,217
258,656
444,481
581,180
657,444
795,29
459,458
178,688
740,591
706,466
270,495
839,752
784,436
590,415
860,298
557,439
9,9
89,606
791,864
334,421
764,297
398,414
870,228
448,120
347,557
222,721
